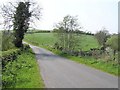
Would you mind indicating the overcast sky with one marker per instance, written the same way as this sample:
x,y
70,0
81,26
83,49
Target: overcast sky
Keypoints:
x,y
93,15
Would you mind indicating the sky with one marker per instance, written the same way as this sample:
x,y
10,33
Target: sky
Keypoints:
x,y
92,15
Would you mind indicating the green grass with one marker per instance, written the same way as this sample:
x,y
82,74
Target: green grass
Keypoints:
x,y
98,64
46,40
41,39
92,62
28,73
87,42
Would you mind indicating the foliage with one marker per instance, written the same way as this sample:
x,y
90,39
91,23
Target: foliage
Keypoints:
x,y
46,40
21,19
6,39
22,72
76,31
19,15
86,42
102,36
38,31
98,63
11,54
65,33
111,67
113,42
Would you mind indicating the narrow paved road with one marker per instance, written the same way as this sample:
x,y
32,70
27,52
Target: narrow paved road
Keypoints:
x,y
58,72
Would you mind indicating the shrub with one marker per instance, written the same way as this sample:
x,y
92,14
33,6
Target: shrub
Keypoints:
x,y
12,54
9,55
7,39
9,66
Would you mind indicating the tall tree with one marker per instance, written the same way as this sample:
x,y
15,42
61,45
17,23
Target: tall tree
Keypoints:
x,y
102,36
21,19
66,32
20,15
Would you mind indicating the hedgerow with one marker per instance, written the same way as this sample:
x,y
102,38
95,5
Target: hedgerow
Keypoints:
x,y
12,54
9,55
10,66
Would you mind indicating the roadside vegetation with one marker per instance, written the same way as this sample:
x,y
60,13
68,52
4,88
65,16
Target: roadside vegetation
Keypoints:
x,y
96,50
19,66
21,69
47,40
105,63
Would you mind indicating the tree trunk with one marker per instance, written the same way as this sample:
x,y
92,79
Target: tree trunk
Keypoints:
x,y
18,43
114,52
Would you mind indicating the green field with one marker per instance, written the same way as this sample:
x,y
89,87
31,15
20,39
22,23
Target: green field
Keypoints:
x,y
48,39
41,39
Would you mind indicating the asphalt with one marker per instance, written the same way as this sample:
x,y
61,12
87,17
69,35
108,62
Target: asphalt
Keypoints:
x,y
59,72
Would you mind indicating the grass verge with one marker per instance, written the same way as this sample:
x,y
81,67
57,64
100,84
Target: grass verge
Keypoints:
x,y
25,71
92,62
89,61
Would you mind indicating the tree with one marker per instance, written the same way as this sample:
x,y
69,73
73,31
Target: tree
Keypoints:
x,y
65,32
20,16
102,36
113,43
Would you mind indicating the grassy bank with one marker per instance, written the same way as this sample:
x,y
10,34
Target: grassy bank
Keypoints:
x,y
25,71
87,42
92,62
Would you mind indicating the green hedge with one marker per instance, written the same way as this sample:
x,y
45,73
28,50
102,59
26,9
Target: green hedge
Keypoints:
x,y
10,65
12,54
39,31
9,55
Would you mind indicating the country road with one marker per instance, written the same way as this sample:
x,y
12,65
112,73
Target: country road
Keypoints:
x,y
59,72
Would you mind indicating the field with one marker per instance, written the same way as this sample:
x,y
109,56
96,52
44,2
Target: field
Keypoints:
x,y
41,39
47,40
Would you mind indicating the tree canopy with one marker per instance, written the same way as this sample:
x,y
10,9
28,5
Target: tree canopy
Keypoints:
x,y
102,36
65,32
19,16
113,42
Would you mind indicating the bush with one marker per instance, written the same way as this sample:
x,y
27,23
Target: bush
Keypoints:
x,y
22,72
12,54
9,74
10,66
9,55
7,39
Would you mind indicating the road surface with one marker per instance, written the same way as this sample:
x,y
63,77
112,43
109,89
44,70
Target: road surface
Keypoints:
x,y
59,72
